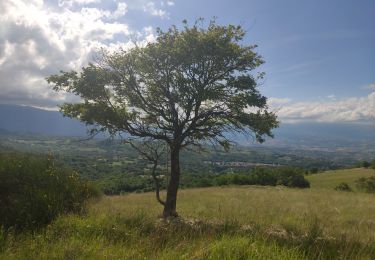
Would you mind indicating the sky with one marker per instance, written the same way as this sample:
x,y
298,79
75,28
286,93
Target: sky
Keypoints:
x,y
320,55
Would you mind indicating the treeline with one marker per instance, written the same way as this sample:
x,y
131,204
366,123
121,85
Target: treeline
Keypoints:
x,y
96,158
36,189
366,164
285,176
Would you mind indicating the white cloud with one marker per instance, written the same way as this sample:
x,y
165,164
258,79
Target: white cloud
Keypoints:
x,y
167,3
151,9
39,39
70,3
121,10
370,86
354,109
275,102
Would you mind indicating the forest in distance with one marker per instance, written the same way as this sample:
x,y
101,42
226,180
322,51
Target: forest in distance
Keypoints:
x,y
117,168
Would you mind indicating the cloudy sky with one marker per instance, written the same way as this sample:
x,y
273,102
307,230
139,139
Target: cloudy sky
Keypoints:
x,y
320,55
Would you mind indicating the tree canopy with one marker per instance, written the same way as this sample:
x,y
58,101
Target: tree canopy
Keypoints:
x,y
191,85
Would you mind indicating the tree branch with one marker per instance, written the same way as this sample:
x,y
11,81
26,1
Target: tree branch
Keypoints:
x,y
153,155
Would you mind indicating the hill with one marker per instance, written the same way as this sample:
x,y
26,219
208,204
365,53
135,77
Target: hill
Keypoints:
x,y
217,223
330,179
322,137
22,119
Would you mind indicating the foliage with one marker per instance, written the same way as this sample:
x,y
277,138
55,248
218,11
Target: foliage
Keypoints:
x,y
286,176
291,177
190,86
366,184
111,160
126,183
187,86
343,186
34,191
365,164
313,170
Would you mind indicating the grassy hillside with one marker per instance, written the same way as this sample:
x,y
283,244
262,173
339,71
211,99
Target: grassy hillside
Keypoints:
x,y
330,179
218,223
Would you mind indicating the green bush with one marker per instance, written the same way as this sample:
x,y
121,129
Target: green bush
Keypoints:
x,y
314,170
264,176
366,164
366,184
291,177
286,176
34,190
343,187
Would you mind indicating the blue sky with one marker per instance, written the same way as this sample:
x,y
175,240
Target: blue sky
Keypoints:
x,y
320,55
312,49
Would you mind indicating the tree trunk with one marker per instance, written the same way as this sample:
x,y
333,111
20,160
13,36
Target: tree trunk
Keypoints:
x,y
170,203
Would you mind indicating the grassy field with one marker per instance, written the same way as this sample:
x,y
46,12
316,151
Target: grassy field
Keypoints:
x,y
330,179
216,223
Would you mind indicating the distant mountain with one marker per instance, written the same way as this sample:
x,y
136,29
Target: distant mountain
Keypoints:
x,y
333,136
326,134
29,120
22,119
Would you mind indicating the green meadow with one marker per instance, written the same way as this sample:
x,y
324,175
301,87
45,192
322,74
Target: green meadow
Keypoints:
x,y
330,179
231,222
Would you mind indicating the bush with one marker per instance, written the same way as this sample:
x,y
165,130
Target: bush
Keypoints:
x,y
286,176
264,176
366,164
292,177
343,187
366,184
34,190
314,170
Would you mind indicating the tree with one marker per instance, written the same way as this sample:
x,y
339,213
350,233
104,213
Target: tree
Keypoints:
x,y
366,164
191,86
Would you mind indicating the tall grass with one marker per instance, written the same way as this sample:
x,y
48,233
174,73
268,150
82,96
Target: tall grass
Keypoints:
x,y
217,223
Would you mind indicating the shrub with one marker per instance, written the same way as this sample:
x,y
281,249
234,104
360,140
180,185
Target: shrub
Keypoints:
x,y
34,190
343,187
366,184
264,176
287,176
366,164
222,180
292,177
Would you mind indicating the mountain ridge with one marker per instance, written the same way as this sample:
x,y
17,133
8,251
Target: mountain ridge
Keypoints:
x,y
30,120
